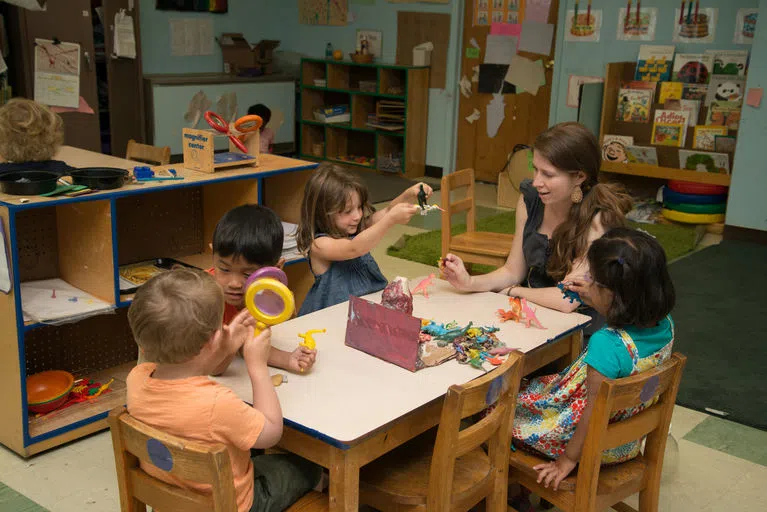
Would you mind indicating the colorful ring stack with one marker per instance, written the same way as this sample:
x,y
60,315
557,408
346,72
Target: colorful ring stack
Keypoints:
x,y
694,203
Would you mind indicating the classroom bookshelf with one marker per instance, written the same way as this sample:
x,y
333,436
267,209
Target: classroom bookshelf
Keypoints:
x,y
368,90
83,241
668,157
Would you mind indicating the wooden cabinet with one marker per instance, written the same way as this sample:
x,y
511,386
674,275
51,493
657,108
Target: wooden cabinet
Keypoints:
x,y
83,241
367,90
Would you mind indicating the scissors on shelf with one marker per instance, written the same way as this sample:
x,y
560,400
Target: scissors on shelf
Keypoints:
x,y
243,125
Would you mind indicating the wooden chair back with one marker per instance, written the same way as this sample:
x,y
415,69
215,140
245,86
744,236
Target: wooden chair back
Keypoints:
x,y
135,442
498,388
147,154
616,395
463,179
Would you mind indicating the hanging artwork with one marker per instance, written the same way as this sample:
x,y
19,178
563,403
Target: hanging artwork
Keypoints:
x,y
745,26
637,24
496,112
323,12
696,25
487,12
215,6
583,26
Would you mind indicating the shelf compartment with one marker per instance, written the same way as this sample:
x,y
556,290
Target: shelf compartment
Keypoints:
x,y
312,99
71,241
342,144
391,153
392,82
654,171
359,74
338,76
311,71
362,107
313,140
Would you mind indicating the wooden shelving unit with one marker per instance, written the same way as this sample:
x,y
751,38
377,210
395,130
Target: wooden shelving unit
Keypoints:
x,y
668,157
84,241
362,86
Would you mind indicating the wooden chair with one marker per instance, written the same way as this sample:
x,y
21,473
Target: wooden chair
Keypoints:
x,y
594,487
133,440
472,246
147,154
453,473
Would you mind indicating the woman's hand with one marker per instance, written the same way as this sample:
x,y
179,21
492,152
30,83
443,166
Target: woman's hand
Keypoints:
x,y
552,473
455,272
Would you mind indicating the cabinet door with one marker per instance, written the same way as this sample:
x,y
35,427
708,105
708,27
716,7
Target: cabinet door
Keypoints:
x,y
126,92
68,21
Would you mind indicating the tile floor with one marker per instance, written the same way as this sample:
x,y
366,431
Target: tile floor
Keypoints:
x,y
713,464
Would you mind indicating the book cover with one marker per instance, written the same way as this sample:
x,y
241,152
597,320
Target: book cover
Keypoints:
x,y
729,62
691,106
724,143
726,88
724,113
614,148
703,137
692,68
704,162
670,91
634,105
670,127
642,155
694,91
654,63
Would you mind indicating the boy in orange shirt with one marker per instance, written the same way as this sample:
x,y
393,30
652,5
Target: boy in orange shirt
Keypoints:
x,y
247,238
176,318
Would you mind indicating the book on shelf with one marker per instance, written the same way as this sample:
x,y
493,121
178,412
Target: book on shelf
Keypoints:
x,y
642,155
384,124
691,106
724,113
694,91
670,127
702,161
634,105
726,88
703,137
654,63
724,143
692,68
729,62
670,91
391,109
614,148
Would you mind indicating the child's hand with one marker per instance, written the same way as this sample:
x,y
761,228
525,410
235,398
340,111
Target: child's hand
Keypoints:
x,y
413,191
256,349
402,213
554,472
301,359
455,272
582,285
234,335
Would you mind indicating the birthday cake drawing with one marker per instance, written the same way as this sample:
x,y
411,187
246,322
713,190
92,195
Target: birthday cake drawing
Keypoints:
x,y
583,25
632,28
694,26
749,24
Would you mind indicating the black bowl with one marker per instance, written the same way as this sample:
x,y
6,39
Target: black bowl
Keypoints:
x,y
99,178
28,183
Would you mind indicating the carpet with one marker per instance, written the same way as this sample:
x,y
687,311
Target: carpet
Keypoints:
x,y
426,247
719,318
384,187
11,500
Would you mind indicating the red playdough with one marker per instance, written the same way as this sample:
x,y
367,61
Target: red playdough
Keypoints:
x,y
397,296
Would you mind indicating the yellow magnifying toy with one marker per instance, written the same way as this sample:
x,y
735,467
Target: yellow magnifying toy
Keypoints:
x,y
268,297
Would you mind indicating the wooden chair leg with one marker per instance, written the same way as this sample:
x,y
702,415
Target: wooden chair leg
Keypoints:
x,y
648,500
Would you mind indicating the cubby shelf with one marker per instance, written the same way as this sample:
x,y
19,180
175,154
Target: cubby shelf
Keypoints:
x,y
342,83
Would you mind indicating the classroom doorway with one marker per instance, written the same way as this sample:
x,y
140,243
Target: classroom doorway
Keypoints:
x,y
109,85
525,115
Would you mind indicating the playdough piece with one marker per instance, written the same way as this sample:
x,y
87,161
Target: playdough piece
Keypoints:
x,y
693,218
397,296
696,208
278,379
676,197
689,187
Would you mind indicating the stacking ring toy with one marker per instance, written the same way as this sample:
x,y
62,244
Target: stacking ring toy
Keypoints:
x,y
268,298
675,197
693,218
696,208
689,187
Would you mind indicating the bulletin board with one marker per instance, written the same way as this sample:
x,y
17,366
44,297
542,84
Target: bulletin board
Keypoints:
x,y
414,28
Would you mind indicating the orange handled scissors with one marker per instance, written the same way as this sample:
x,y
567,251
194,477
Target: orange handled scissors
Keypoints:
x,y
244,124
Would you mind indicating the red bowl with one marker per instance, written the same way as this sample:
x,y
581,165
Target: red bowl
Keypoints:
x,y
49,390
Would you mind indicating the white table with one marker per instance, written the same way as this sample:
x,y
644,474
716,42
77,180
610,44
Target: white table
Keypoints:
x,y
351,408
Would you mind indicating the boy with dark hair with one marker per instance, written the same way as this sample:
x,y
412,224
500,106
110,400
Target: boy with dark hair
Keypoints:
x,y
176,318
266,134
247,238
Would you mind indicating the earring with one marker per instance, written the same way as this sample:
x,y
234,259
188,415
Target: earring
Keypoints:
x,y
577,195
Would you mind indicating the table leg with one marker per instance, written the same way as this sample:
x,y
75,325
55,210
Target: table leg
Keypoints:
x,y
344,481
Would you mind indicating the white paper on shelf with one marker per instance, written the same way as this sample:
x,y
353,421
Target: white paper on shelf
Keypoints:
x,y
289,241
5,270
67,304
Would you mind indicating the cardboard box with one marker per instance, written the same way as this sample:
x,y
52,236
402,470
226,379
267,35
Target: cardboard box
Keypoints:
x,y
240,56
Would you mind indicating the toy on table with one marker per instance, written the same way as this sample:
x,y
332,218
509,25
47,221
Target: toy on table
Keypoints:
x,y
145,173
308,338
472,345
520,312
268,298
423,286
569,294
242,125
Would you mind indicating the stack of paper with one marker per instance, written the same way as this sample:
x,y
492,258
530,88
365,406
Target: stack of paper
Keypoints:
x,y
54,301
289,244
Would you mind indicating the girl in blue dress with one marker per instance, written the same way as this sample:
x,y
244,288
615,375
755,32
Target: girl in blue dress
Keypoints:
x,y
337,231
